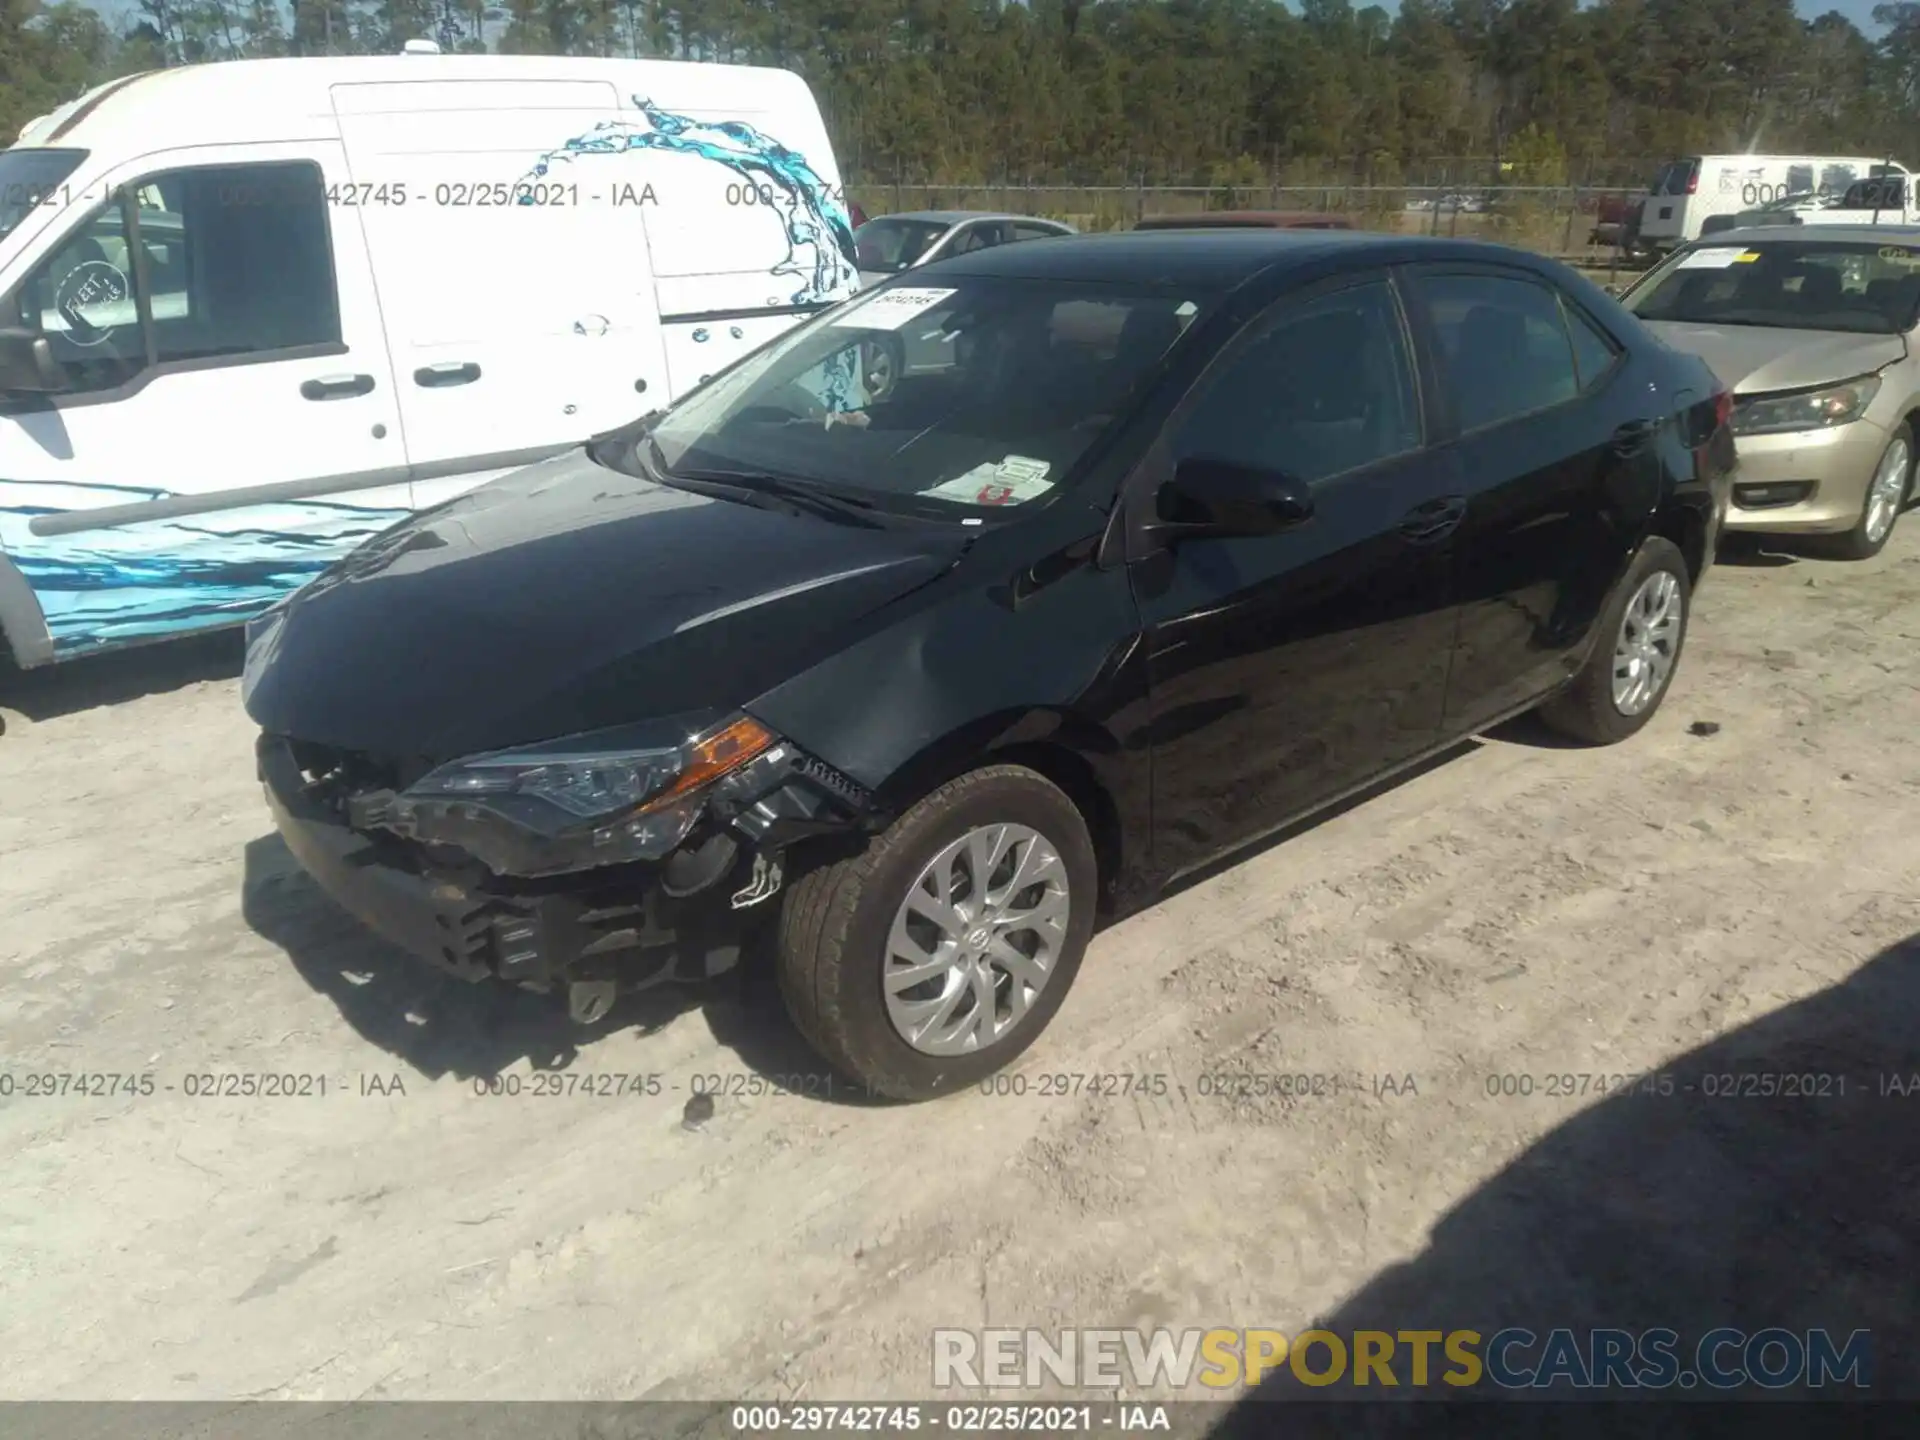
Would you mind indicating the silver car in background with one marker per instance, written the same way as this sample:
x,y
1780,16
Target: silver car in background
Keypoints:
x,y
1814,333
889,244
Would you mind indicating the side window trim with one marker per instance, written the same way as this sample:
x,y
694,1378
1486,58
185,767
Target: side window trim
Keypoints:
x,y
142,273
1487,270
126,194
1572,313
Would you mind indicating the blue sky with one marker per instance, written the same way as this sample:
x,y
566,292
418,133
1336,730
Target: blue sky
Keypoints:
x,y
1858,11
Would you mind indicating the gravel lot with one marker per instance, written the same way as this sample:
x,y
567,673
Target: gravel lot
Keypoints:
x,y
1741,897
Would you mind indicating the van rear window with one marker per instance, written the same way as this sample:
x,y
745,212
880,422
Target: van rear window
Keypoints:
x,y
1675,179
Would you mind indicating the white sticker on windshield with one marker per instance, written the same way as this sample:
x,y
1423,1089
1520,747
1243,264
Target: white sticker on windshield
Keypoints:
x,y
1718,258
1013,481
891,309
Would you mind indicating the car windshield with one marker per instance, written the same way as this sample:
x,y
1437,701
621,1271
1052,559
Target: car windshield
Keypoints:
x,y
1787,284
890,244
954,401
30,177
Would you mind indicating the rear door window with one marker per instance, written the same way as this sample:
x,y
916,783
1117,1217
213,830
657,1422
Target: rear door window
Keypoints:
x,y
1594,352
1504,347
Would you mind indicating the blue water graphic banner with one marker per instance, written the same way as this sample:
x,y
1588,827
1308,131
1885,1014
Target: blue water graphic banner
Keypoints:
x,y
819,233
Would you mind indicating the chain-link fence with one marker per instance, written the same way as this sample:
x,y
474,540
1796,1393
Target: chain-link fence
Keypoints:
x,y
1586,225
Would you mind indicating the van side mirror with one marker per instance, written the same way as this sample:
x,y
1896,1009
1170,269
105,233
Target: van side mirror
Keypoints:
x,y
27,366
1210,497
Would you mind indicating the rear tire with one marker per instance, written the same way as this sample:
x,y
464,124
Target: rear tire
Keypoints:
x,y
1879,511
1617,691
841,934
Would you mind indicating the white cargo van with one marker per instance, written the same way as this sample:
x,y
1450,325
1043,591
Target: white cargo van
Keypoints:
x,y
1689,190
254,312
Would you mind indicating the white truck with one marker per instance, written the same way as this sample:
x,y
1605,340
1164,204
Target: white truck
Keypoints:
x,y
254,312
1689,191
1884,200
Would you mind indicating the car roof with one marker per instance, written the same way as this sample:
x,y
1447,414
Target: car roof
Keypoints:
x,y
950,217
1218,259
293,98
1278,219
1845,234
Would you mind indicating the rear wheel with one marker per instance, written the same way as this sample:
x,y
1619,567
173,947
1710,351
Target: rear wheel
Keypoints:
x,y
938,954
1886,494
1640,636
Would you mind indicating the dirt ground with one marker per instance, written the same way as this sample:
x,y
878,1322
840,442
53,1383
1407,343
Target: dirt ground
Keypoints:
x,y
1745,897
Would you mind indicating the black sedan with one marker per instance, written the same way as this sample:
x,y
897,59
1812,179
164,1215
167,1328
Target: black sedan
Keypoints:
x,y
1187,536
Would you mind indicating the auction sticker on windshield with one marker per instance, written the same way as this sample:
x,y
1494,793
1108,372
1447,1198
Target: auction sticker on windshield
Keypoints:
x,y
1012,481
1717,259
891,309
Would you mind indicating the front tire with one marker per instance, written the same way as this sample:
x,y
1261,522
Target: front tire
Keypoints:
x,y
912,974
1886,495
1640,638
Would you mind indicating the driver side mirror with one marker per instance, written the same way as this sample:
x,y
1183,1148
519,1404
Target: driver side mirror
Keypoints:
x,y
1209,497
27,366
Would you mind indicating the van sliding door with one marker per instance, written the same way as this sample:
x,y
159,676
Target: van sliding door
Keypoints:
x,y
513,281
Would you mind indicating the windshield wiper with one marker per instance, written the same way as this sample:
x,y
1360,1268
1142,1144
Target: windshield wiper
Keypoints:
x,y
793,493
609,446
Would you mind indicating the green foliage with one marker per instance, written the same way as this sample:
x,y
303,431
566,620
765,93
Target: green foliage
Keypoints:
x,y
1226,95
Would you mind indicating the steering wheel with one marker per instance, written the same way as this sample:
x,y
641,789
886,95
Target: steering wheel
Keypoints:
x,y
882,359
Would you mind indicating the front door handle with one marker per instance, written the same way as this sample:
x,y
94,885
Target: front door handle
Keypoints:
x,y
1633,436
447,372
337,387
1434,520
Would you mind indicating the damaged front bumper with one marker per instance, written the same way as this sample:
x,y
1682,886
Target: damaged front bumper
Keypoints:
x,y
594,932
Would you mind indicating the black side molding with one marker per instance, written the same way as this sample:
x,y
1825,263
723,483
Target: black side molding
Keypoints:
x,y
172,507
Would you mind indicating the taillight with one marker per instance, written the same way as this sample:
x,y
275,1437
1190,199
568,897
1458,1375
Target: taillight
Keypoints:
x,y
1722,409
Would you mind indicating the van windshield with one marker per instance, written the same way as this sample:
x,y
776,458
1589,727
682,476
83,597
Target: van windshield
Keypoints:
x,y
1887,193
950,401
31,177
1674,179
1787,284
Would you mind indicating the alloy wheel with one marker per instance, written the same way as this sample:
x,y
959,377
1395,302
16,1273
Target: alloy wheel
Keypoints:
x,y
1649,639
1887,492
976,939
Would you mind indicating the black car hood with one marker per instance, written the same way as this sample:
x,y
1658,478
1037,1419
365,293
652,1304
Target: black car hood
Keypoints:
x,y
563,598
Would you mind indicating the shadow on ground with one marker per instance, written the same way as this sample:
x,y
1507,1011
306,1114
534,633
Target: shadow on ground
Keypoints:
x,y
1694,1205
439,1025
116,676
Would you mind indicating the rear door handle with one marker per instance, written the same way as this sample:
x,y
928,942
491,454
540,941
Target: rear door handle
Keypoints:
x,y
1435,519
1633,436
448,372
337,387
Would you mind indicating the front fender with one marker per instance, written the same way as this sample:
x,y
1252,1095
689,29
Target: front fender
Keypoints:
x,y
23,624
1043,655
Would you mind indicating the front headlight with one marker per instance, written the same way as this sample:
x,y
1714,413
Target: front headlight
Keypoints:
x,y
550,809
1805,409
